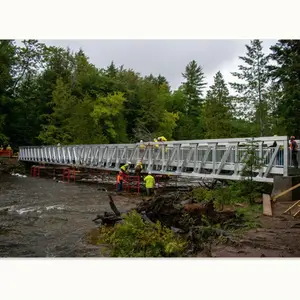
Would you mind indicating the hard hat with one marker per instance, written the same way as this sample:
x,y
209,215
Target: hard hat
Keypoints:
x,y
129,163
149,173
141,141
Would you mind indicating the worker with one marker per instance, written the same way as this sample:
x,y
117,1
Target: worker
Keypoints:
x,y
1,148
156,147
274,145
120,181
162,139
125,167
150,183
142,145
8,147
294,149
138,168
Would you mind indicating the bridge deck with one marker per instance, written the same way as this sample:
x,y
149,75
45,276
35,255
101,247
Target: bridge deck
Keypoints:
x,y
223,158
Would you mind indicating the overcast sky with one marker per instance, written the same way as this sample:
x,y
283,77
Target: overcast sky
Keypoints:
x,y
165,57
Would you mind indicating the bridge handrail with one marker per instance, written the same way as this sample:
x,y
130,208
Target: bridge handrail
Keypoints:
x,y
218,155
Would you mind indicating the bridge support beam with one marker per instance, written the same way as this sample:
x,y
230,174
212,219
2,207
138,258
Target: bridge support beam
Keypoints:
x,y
283,183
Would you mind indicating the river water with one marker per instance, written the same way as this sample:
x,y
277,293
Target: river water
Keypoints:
x,y
44,218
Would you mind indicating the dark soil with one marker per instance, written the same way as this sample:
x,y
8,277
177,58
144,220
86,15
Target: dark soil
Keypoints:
x,y
279,236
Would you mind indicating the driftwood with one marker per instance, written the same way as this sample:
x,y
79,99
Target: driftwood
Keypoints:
x,y
113,206
183,215
109,218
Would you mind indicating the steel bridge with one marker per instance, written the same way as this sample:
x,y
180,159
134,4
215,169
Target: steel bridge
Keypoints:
x,y
199,159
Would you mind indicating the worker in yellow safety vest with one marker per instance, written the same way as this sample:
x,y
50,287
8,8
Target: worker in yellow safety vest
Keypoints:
x,y
150,183
125,167
163,139
156,146
138,168
142,145
8,147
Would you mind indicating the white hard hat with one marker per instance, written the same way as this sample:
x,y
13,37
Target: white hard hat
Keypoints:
x,y
149,173
141,141
129,162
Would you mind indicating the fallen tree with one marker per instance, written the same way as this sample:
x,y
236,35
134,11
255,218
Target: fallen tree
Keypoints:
x,y
197,223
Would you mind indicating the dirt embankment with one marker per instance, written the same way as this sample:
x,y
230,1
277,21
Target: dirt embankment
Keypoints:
x,y
276,236
11,165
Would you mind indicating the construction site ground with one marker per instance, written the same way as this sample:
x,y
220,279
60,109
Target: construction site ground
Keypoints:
x,y
277,236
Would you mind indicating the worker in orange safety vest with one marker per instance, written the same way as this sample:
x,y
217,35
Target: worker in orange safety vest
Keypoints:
x,y
120,181
294,149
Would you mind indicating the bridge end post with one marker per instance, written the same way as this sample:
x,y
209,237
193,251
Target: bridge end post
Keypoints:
x,y
285,157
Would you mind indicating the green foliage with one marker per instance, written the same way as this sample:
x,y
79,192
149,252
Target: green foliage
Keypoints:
x,y
51,95
252,162
107,114
193,87
136,238
250,214
217,114
285,74
235,192
253,89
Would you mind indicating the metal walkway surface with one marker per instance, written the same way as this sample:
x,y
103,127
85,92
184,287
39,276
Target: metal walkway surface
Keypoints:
x,y
222,158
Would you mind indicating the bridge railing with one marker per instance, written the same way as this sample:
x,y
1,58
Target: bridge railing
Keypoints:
x,y
194,158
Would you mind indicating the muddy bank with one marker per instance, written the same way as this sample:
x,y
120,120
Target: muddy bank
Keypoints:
x,y
224,233
277,236
41,217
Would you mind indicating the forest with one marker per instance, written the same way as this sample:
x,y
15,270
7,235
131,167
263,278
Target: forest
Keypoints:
x,y
51,95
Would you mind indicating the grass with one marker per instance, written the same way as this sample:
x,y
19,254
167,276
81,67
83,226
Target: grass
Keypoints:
x,y
251,214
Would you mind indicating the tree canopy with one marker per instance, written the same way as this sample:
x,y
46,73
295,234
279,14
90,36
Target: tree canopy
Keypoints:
x,y
51,95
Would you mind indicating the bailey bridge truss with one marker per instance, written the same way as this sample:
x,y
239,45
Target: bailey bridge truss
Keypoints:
x,y
219,159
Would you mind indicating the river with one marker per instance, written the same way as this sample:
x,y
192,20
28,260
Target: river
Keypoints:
x,y
44,218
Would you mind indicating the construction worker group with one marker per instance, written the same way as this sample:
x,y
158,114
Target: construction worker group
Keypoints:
x,y
7,148
149,179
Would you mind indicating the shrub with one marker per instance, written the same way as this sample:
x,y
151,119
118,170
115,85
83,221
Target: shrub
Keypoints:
x,y
231,194
136,238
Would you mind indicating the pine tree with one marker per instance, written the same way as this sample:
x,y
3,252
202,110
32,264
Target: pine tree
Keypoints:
x,y
253,90
217,114
193,87
286,54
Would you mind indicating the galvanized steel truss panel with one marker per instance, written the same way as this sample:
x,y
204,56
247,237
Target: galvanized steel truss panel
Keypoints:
x,y
221,158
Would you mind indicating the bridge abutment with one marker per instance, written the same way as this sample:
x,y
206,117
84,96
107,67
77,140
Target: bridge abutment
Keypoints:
x,y
283,183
